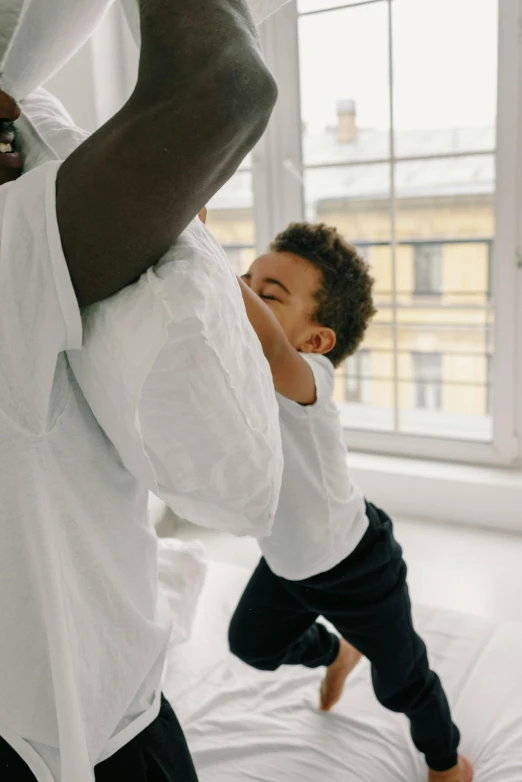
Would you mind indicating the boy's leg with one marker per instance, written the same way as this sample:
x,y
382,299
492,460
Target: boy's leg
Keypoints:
x,y
366,598
270,627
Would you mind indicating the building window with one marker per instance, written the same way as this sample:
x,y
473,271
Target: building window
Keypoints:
x,y
358,378
427,371
428,269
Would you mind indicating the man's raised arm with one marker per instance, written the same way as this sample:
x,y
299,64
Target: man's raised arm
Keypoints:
x,y
202,100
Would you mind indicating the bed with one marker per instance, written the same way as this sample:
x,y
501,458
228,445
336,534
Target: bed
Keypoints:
x,y
244,725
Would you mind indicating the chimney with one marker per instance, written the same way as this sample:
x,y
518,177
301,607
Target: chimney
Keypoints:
x,y
346,122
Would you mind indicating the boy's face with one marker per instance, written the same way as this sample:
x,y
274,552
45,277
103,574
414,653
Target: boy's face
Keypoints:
x,y
288,283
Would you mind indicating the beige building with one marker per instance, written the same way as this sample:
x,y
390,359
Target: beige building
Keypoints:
x,y
444,224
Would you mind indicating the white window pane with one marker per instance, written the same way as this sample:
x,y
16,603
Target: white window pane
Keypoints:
x,y
445,75
364,385
231,220
236,194
425,225
344,77
457,270
445,232
355,199
430,414
471,175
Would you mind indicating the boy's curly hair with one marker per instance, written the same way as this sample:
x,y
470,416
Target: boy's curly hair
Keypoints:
x,y
344,300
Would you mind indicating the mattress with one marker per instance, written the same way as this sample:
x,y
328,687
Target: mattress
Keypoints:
x,y
244,725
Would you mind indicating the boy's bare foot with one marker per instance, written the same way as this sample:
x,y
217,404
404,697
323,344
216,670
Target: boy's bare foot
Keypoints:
x,y
333,683
460,773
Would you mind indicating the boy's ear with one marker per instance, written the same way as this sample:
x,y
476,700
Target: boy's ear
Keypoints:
x,y
322,340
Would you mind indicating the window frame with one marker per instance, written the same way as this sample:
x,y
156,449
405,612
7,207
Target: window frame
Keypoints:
x,y
279,199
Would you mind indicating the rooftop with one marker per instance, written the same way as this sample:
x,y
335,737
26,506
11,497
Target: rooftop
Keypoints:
x,y
473,174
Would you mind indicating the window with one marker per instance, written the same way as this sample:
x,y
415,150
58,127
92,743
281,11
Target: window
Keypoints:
x,y
418,185
428,269
423,184
231,218
428,380
358,378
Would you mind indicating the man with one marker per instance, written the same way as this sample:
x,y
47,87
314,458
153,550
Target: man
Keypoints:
x,y
83,632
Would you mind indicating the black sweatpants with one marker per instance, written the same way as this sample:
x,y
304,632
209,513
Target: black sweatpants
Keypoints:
x,y
157,754
366,598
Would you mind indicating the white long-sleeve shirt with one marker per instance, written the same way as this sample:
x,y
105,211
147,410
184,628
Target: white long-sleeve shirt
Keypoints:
x,y
84,628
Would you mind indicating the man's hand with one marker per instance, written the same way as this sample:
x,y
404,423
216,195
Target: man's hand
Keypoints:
x,y
202,100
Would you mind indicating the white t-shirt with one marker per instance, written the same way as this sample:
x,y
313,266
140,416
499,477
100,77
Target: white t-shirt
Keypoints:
x,y
321,515
83,628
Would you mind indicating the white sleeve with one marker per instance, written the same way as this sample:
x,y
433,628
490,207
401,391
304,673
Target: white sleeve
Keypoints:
x,y
39,314
324,378
176,376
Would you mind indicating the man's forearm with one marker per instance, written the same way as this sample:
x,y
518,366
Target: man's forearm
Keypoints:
x,y
216,37
161,22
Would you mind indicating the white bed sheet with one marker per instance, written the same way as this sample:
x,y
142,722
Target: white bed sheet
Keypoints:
x,y
244,725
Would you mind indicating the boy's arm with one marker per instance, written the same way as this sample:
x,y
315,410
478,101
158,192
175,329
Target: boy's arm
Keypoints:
x,y
293,376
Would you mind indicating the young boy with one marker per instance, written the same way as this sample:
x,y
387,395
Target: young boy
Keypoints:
x,y
331,554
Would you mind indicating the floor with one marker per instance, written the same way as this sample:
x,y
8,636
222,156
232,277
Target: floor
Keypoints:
x,y
471,570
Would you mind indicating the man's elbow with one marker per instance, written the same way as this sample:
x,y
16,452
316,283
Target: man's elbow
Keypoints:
x,y
248,96
259,102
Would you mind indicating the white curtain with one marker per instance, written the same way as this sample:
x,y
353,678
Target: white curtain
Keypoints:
x,y
39,36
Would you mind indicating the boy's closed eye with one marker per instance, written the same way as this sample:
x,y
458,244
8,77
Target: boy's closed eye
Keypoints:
x,y
268,284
